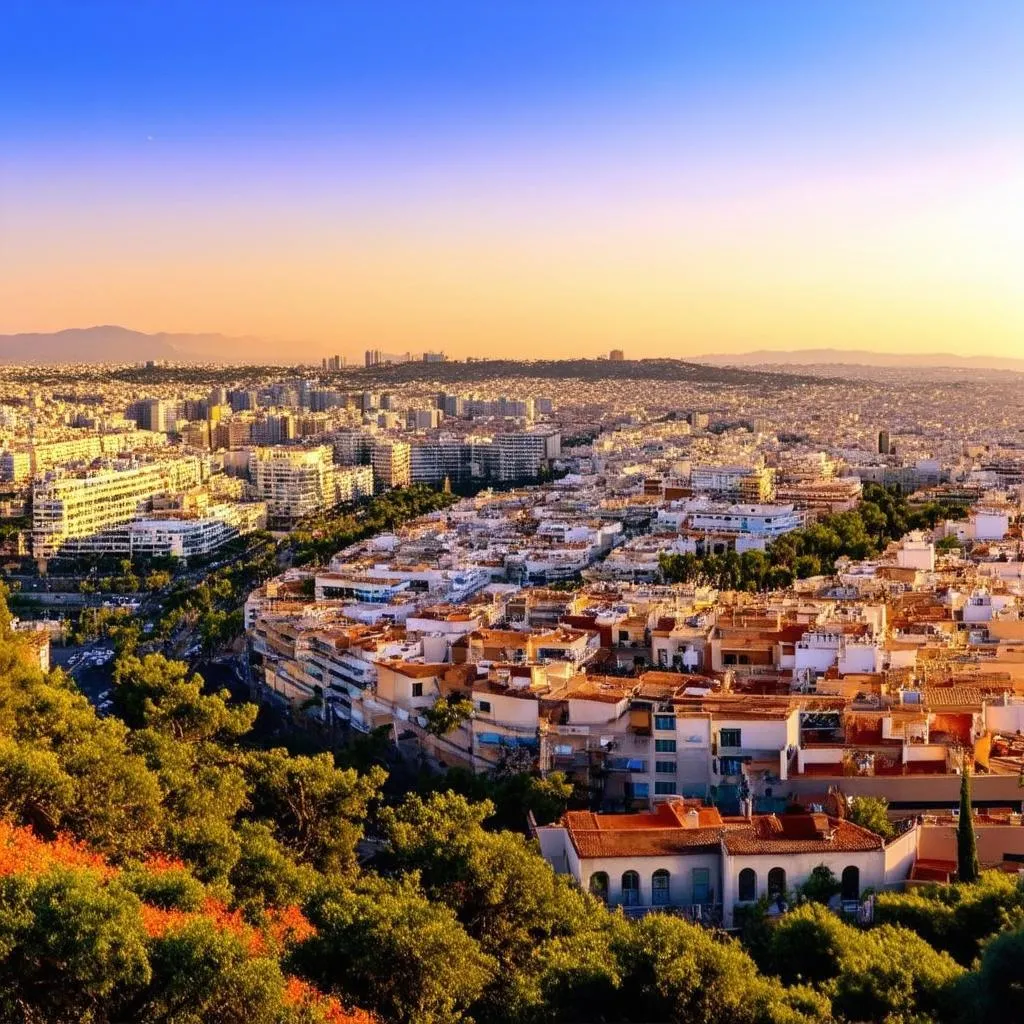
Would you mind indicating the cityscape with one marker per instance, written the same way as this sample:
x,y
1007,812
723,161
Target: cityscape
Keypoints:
x,y
413,672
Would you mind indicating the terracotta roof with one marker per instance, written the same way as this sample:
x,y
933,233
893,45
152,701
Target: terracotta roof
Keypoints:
x,y
413,670
933,870
650,834
953,696
799,833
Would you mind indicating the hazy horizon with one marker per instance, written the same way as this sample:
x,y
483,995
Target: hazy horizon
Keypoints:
x,y
552,181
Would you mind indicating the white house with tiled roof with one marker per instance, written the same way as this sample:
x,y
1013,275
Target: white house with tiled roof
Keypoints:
x,y
687,858
774,855
669,857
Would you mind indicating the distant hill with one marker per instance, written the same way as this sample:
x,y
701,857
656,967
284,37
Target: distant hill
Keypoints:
x,y
112,344
584,369
861,357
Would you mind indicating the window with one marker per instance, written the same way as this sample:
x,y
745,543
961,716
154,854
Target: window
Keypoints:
x,y
664,788
665,746
417,689
731,766
665,767
630,889
599,885
666,723
485,706
640,790
623,636
730,738
851,883
776,883
660,888
748,885
701,885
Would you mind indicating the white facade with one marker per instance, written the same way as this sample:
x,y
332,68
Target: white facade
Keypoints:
x,y
69,507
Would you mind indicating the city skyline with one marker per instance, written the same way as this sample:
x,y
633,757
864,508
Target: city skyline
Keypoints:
x,y
551,182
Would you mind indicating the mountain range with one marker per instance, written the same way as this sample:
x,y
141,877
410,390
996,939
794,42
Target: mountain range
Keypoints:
x,y
112,344
861,357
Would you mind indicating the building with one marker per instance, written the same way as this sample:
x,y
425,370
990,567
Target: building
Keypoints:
x,y
616,355
684,857
66,506
15,466
391,464
522,455
433,461
755,484
184,536
294,482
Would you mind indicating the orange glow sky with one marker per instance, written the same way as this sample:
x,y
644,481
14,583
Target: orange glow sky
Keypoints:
x,y
865,199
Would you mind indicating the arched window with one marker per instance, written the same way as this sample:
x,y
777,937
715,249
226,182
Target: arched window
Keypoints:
x,y
599,885
748,885
776,882
851,883
660,888
630,889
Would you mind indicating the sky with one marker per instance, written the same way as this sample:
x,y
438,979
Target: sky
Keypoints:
x,y
543,178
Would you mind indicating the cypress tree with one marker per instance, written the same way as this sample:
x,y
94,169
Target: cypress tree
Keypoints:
x,y
966,845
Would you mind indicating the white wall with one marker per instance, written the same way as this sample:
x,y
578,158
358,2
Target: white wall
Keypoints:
x,y
900,855
679,867
755,735
1004,719
798,868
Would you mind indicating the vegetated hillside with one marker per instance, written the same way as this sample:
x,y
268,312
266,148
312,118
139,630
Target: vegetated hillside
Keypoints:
x,y
582,369
161,867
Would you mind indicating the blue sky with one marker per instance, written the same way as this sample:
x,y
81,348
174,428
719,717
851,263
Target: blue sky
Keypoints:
x,y
220,124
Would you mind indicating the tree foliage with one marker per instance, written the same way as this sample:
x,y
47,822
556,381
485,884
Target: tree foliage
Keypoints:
x,y
872,812
163,867
883,515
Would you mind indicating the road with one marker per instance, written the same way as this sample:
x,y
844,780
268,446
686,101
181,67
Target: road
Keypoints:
x,y
92,668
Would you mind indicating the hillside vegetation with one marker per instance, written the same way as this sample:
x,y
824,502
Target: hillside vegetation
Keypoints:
x,y
159,866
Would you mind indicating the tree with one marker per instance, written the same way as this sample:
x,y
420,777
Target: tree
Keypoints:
x,y
877,975
997,984
72,948
508,898
447,714
966,844
34,788
316,809
682,973
821,885
157,692
872,812
956,918
204,973
387,947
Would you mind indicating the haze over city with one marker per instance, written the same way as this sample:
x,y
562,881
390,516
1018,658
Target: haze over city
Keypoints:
x,y
527,180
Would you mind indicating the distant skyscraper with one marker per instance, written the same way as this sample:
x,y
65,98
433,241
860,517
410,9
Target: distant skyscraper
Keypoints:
x,y
884,444
617,355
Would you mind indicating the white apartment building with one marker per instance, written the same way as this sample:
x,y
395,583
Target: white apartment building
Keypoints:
x,y
522,455
391,464
66,507
432,461
353,483
753,483
294,482
174,536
